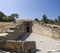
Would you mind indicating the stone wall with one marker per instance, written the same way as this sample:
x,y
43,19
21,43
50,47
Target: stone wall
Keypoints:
x,y
15,32
19,47
45,30
29,46
10,42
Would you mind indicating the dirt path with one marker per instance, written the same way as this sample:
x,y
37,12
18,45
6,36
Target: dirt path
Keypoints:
x,y
44,44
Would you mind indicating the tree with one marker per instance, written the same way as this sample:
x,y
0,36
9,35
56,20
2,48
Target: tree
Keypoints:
x,y
36,19
15,16
10,18
59,20
55,21
1,15
50,21
44,19
4,19
7,19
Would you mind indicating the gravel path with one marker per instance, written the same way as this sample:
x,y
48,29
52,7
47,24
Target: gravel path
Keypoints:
x,y
44,44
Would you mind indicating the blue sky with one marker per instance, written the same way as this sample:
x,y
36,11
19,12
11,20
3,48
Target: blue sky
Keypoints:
x,y
31,8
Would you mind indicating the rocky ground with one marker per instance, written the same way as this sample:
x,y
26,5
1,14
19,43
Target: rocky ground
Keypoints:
x,y
6,25
44,44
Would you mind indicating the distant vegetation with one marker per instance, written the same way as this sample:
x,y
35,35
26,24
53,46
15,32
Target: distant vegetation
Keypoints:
x,y
49,21
5,18
14,16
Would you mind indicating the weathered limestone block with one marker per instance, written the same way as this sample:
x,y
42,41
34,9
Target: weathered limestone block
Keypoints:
x,y
2,43
11,44
2,35
29,46
19,46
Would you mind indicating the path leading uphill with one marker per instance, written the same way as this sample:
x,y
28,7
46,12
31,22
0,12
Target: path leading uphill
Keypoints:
x,y
44,44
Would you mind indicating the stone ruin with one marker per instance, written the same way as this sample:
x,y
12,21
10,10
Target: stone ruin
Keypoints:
x,y
18,46
9,40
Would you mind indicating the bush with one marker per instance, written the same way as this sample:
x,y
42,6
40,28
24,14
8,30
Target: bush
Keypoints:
x,y
7,19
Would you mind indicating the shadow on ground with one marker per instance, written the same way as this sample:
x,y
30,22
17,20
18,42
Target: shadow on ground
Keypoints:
x,y
24,37
37,50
